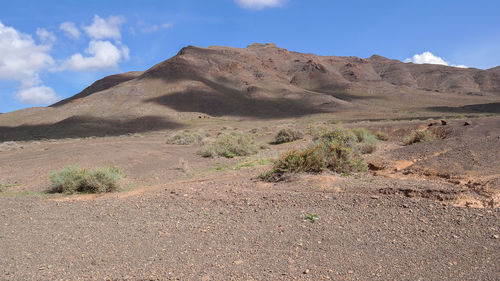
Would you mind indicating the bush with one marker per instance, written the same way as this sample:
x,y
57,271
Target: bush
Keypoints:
x,y
420,136
362,134
230,145
287,135
381,136
185,138
74,179
366,139
368,146
334,150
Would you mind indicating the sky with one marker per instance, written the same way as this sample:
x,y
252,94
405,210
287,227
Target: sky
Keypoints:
x,y
51,50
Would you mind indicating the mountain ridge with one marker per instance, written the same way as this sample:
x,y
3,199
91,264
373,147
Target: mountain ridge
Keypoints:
x,y
265,81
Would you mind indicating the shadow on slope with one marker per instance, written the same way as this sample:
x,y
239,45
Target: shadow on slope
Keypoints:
x,y
474,108
101,85
222,104
221,100
84,126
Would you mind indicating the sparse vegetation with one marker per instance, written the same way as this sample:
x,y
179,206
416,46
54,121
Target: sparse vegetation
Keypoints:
x,y
183,165
5,186
287,135
367,140
311,217
362,134
381,136
185,138
73,179
334,149
420,136
230,145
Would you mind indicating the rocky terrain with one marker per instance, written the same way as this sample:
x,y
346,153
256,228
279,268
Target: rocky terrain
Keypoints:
x,y
260,81
422,211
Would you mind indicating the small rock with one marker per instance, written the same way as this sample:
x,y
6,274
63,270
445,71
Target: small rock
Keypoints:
x,y
494,236
306,271
443,122
466,124
238,262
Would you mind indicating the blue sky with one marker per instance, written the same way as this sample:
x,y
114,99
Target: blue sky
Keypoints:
x,y
51,50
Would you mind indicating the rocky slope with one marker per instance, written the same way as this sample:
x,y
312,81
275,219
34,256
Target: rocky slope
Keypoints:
x,y
260,81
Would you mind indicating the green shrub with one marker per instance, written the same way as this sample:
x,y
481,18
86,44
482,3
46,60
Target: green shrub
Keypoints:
x,y
74,179
420,136
185,138
334,150
230,145
362,134
366,139
381,136
368,146
287,135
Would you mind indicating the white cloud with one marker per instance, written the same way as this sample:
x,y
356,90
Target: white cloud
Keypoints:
x,y
102,55
70,29
20,57
430,58
105,28
37,95
260,4
45,36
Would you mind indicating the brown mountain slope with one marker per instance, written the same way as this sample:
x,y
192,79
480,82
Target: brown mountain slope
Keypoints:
x,y
260,81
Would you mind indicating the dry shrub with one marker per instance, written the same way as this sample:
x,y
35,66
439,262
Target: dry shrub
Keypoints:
x,y
287,135
73,179
185,138
230,145
381,136
334,149
420,136
366,139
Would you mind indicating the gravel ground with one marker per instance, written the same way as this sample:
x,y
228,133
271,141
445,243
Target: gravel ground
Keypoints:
x,y
234,228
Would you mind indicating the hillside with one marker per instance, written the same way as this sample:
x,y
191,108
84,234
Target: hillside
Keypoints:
x,y
260,81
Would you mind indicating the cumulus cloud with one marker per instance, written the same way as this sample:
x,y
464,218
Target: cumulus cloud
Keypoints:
x,y
430,58
37,95
21,59
105,28
260,4
101,55
70,29
45,36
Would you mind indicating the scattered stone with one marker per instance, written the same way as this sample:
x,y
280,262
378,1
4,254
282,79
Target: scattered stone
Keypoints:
x,y
443,122
494,236
466,124
306,271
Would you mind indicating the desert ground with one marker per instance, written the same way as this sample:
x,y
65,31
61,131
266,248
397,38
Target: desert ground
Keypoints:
x,y
427,211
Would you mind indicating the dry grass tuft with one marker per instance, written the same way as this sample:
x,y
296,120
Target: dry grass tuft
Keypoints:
x,y
73,179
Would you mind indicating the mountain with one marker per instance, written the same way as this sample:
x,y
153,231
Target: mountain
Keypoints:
x,y
260,81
